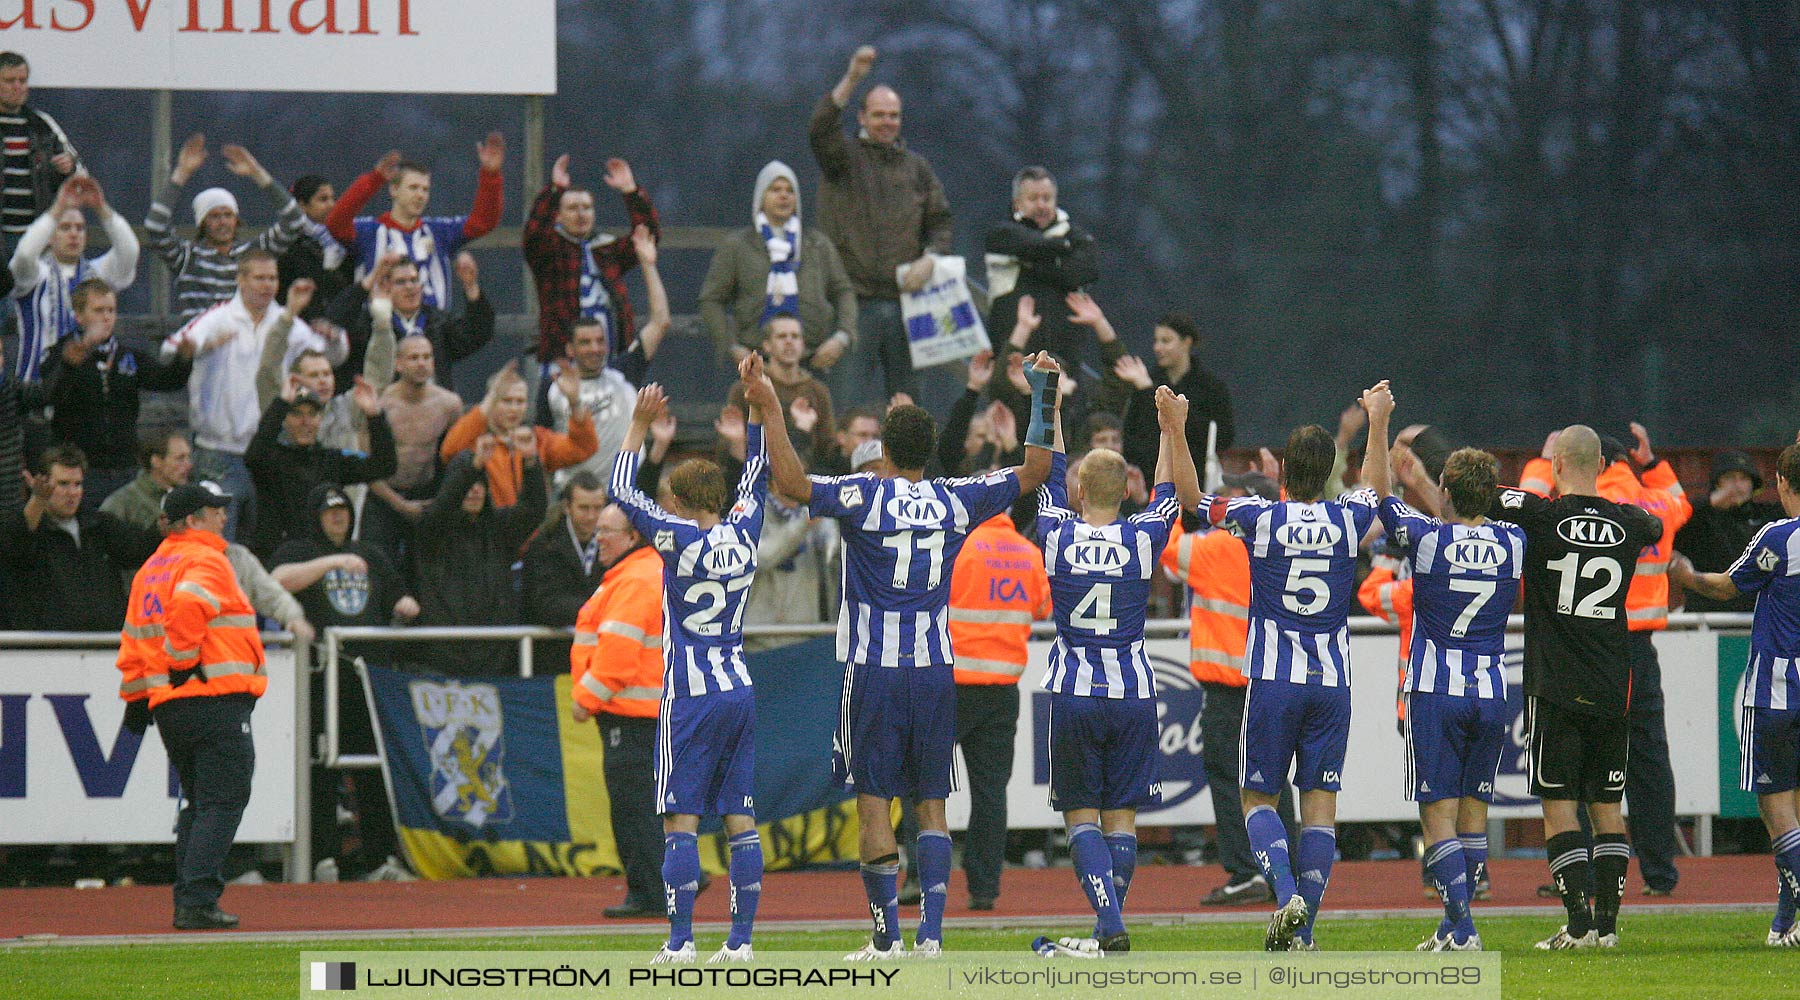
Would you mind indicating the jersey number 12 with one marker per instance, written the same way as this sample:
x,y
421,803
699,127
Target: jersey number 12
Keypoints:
x,y
1571,568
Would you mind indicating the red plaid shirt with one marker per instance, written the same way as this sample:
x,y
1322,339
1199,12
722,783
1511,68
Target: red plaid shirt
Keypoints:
x,y
555,262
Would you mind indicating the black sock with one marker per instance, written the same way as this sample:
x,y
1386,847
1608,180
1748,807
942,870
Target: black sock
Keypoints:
x,y
1568,854
1612,858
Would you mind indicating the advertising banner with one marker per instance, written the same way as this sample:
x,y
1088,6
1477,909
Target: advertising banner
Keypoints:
x,y
369,46
70,773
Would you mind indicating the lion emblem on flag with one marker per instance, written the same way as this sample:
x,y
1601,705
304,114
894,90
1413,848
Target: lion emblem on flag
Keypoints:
x,y
464,731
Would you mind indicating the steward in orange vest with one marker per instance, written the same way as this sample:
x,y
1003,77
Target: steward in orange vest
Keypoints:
x,y
1649,775
1215,567
997,588
617,669
191,655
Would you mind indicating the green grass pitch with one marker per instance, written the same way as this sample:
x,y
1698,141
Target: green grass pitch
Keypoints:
x,y
1679,956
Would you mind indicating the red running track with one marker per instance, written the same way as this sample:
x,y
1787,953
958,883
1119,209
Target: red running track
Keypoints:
x,y
788,897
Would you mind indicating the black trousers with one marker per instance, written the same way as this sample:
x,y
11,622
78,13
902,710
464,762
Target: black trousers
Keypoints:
x,y
1649,777
208,741
1221,725
987,720
374,816
630,767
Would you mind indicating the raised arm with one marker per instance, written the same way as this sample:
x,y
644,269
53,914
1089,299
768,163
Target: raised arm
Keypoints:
x,y
787,474
1378,402
1175,464
1040,437
651,334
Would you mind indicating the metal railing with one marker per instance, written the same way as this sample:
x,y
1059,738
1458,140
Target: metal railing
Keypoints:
x,y
332,640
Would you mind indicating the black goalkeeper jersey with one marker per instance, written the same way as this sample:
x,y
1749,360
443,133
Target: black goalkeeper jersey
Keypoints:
x,y
1580,555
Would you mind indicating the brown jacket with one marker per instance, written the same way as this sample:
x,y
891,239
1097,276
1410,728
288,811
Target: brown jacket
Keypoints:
x,y
881,205
732,299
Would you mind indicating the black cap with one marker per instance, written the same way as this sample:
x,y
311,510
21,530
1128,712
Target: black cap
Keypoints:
x,y
193,497
325,496
1735,461
1613,449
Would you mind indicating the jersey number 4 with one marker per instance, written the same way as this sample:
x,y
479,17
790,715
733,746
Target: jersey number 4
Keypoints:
x,y
1572,568
1095,613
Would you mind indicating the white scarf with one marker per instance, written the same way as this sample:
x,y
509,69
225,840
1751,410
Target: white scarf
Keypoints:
x,y
784,256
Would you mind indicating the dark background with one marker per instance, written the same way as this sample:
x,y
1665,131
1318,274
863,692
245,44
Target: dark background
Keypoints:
x,y
1524,213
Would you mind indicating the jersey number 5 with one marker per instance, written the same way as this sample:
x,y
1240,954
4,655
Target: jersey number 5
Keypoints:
x,y
1571,568
1306,595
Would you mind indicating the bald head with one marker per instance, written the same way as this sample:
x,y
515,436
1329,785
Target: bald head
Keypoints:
x,y
1579,448
1102,478
880,115
1576,460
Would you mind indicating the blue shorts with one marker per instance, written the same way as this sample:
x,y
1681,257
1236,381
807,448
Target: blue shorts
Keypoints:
x,y
1769,745
896,733
1103,753
706,754
1453,746
1282,721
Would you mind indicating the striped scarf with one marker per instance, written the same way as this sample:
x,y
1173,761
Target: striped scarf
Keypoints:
x,y
781,296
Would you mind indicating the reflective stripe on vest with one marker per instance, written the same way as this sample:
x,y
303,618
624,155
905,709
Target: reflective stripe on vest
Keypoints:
x,y
1220,606
1652,613
1647,568
587,639
143,683
594,686
989,616
190,587
154,630
179,655
211,670
233,621
631,632
1000,667
1211,658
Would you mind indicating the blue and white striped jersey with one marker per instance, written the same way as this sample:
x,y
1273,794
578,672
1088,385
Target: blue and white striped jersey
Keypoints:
x,y
901,540
1302,582
707,574
433,245
1770,568
1465,583
1100,586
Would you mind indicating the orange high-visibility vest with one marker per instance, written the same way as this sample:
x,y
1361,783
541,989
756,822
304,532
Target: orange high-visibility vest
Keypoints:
x,y
189,630
1660,493
1216,567
617,659
1538,477
1386,596
997,589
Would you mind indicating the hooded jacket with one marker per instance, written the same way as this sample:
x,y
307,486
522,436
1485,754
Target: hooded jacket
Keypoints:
x,y
731,299
465,564
285,474
340,597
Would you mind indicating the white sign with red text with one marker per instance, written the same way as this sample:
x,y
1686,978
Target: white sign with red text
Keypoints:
x,y
374,46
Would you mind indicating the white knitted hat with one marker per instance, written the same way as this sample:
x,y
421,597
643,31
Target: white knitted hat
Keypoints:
x,y
210,199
